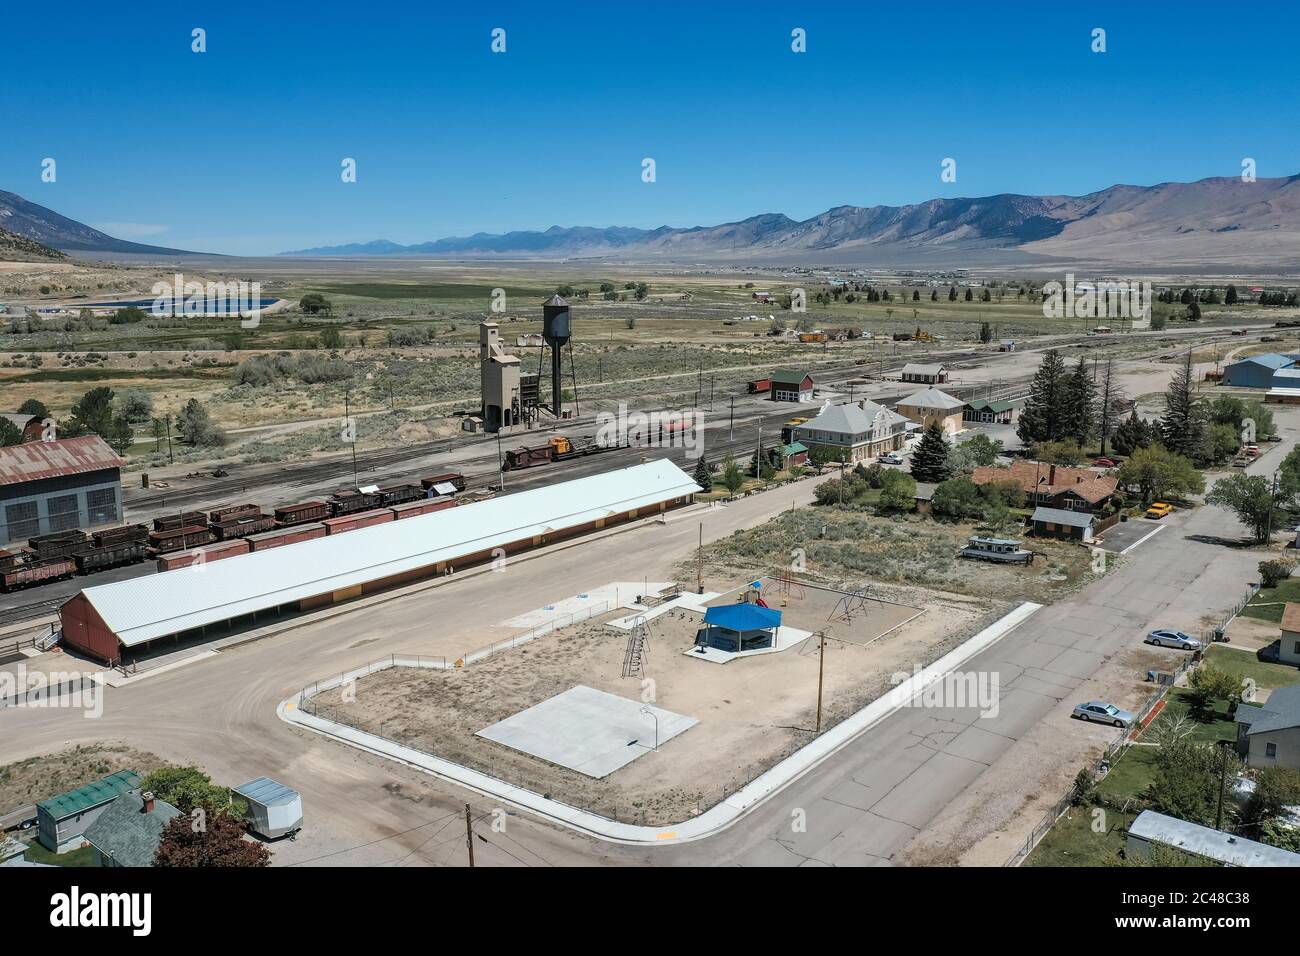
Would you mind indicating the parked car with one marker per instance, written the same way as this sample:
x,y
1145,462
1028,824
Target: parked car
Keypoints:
x,y
1167,637
1159,509
889,458
1103,713
1106,463
1273,438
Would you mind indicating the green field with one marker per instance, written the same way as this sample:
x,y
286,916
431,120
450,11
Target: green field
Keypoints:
x,y
1072,841
1265,674
1269,603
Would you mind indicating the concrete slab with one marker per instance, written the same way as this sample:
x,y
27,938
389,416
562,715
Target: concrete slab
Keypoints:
x,y
588,730
607,597
786,638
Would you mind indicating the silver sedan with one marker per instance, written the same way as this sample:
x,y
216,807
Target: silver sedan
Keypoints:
x,y
1167,637
1103,713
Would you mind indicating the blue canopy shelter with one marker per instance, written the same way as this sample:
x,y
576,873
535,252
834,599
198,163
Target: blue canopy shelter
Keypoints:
x,y
738,627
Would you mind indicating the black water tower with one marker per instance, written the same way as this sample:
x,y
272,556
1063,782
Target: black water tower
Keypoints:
x,y
555,331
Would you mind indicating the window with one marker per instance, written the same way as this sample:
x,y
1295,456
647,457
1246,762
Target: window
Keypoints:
x,y
63,512
1270,751
22,520
101,505
1296,650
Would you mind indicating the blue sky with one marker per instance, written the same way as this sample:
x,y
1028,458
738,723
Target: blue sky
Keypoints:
x,y
238,149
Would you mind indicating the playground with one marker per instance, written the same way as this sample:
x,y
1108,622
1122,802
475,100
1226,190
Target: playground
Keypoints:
x,y
551,715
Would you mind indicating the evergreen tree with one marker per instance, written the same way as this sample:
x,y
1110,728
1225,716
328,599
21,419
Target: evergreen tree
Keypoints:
x,y
1040,420
1183,423
703,476
1078,405
1133,433
930,460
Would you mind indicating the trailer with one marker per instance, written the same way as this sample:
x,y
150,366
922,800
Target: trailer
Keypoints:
x,y
274,810
302,513
37,572
454,478
112,555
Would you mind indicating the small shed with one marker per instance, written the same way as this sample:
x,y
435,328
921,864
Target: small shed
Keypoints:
x,y
791,385
924,374
1225,848
1060,523
739,627
274,810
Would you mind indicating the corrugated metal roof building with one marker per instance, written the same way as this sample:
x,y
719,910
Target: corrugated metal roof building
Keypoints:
x,y
109,619
61,820
48,486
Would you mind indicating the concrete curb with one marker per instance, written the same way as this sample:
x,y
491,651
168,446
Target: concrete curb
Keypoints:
x,y
712,821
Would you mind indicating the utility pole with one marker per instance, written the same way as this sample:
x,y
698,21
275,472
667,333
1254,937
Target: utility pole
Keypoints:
x,y
699,563
469,836
1223,770
352,433
732,435
711,383
170,459
1272,500
821,660
501,466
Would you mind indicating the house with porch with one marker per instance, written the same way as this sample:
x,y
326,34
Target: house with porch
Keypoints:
x,y
857,431
983,412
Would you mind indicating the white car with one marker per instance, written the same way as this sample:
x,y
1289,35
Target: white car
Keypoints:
x,y
1167,637
1103,713
889,458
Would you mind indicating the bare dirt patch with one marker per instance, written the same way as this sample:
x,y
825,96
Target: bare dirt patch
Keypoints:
x,y
36,778
752,711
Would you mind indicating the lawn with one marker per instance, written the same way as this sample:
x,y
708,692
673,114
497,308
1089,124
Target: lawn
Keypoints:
x,y
1217,726
82,856
1268,603
1072,842
1265,674
1130,776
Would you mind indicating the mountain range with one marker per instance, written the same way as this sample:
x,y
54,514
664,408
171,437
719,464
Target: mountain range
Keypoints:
x,y
1220,221
28,220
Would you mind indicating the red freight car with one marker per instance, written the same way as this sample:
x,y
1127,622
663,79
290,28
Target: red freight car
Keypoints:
x,y
283,536
191,536
453,478
301,513
760,385
413,508
247,523
211,552
352,522
186,519
232,511
37,572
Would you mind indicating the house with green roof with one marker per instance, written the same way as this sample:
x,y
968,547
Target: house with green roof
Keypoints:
x,y
988,413
61,821
791,385
129,830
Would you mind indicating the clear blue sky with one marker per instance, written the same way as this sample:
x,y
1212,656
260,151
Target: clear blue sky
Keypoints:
x,y
238,149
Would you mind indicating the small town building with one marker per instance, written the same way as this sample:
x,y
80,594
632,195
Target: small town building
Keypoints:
x,y
48,486
1059,523
791,385
925,497
130,829
32,427
62,820
857,431
791,455
1288,651
1268,734
1261,371
1057,486
984,412
924,374
931,406
1227,849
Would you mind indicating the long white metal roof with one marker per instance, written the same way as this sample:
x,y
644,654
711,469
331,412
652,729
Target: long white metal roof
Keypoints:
x,y
145,608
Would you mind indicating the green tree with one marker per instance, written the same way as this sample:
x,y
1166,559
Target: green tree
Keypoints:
x,y
1276,789
313,303
1064,452
135,405
1041,419
35,408
733,479
1183,423
186,788
10,434
1133,433
930,459
331,338
195,426
1155,472
897,491
1078,406
958,498
1191,781
1208,684
703,474
1251,499
979,451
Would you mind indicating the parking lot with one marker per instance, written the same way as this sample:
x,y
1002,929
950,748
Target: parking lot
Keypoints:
x,y
1126,534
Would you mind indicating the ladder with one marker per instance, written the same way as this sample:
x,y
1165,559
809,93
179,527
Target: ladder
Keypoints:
x,y
636,654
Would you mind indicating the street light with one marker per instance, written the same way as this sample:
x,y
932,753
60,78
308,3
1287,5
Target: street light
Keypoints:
x,y
650,713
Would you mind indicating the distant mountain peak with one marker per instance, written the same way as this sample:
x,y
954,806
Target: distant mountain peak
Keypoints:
x,y
28,220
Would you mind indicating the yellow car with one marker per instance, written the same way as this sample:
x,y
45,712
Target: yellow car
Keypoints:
x,y
1159,509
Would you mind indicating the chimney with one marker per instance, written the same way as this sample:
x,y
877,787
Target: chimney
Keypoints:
x,y
147,797
1051,475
